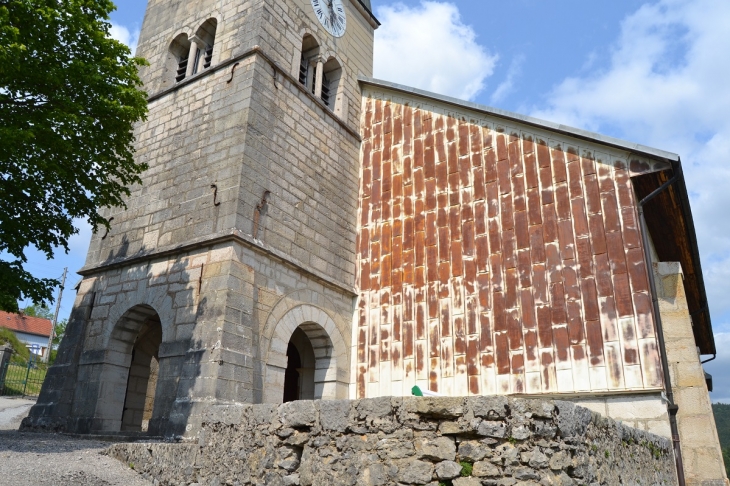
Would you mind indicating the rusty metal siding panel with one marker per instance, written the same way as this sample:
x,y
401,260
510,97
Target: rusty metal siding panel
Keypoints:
x,y
492,260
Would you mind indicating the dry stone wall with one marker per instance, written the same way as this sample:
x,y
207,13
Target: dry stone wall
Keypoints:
x,y
475,441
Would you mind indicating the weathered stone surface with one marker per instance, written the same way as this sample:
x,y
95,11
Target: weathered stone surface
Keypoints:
x,y
521,432
414,472
334,414
489,407
538,460
492,429
467,482
375,407
448,470
437,407
572,420
298,414
560,460
485,469
438,449
473,451
254,452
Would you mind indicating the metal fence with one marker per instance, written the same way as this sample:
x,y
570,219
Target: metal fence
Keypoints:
x,y
23,379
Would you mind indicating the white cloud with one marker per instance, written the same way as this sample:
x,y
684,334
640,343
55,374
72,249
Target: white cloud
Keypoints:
x,y
665,85
124,35
429,47
507,86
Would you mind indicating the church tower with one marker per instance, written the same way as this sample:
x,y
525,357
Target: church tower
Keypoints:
x,y
230,275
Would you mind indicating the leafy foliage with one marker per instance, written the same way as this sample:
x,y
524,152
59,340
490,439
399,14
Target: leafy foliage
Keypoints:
x,y
722,421
38,311
59,331
21,353
69,96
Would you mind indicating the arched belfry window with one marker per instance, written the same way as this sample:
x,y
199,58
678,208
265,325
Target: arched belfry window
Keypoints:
x,y
331,76
178,57
205,41
308,63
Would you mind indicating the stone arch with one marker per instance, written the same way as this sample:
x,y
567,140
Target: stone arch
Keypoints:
x,y
306,63
205,42
176,63
127,394
330,354
333,76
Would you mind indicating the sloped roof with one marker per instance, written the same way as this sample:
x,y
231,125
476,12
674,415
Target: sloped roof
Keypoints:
x,y
26,324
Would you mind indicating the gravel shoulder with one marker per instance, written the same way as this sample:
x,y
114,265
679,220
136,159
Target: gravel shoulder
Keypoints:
x,y
51,459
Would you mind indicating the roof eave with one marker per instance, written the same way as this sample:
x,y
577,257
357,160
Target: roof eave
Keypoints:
x,y
527,120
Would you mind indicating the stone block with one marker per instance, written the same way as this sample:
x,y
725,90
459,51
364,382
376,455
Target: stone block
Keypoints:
x,y
414,472
436,449
491,407
572,420
334,414
448,470
298,414
441,407
632,408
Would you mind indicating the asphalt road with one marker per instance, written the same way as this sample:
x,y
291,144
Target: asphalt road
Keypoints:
x,y
51,459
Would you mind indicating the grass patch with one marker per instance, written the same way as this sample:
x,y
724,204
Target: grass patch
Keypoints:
x,y
20,352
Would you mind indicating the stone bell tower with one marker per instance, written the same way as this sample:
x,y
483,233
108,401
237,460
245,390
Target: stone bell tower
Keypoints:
x,y
230,275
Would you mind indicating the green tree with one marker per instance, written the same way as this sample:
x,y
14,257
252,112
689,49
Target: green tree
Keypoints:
x,y
726,458
59,331
38,311
69,96
8,337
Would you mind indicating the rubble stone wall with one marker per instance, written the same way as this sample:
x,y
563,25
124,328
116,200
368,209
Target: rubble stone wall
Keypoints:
x,y
437,441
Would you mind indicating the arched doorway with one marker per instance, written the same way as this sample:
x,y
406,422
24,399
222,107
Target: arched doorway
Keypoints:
x,y
323,355
299,374
130,370
142,380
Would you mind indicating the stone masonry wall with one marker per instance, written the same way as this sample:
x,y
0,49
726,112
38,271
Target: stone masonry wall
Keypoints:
x,y
701,453
475,441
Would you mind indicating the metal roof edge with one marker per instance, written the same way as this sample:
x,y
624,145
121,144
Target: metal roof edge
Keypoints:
x,y
367,13
528,120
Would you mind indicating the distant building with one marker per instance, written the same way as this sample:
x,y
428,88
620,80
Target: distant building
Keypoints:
x,y
29,330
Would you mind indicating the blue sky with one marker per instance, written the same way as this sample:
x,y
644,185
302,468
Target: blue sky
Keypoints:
x,y
653,72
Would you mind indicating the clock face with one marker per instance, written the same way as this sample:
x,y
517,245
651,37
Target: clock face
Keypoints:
x,y
331,14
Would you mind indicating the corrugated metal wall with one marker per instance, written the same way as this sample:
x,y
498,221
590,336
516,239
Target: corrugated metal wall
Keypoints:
x,y
493,260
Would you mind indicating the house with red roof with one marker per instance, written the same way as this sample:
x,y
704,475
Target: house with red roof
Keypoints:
x,y
32,331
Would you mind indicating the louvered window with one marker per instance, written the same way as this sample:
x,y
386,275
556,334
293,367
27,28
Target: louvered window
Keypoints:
x,y
303,71
314,79
325,90
208,57
182,68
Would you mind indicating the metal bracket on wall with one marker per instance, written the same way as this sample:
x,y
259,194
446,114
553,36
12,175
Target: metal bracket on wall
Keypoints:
x,y
215,195
232,71
106,233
